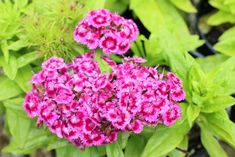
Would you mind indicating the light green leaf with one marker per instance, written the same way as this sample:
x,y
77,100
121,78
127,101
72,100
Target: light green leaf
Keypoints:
x,y
211,144
9,89
223,76
27,58
118,6
26,137
17,45
123,138
221,17
183,145
135,146
114,150
5,51
9,68
56,143
217,103
93,5
103,65
220,126
210,62
169,40
23,77
192,113
69,151
226,46
230,33
138,48
165,140
184,5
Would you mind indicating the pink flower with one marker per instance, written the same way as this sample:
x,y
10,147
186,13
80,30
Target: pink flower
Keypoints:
x,y
109,43
108,31
123,47
54,63
31,104
171,115
88,108
137,126
99,18
64,94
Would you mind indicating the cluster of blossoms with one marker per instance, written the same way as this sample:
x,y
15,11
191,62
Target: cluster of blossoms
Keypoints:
x,y
108,31
88,108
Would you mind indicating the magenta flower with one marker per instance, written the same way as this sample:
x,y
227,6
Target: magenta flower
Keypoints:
x,y
88,108
108,31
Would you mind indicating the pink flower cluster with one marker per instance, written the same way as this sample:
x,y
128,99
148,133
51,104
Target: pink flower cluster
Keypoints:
x,y
88,108
108,31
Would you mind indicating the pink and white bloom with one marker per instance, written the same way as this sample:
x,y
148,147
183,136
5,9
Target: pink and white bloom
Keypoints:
x,y
88,108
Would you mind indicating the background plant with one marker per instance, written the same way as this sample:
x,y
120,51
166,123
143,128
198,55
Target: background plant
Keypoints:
x,y
32,31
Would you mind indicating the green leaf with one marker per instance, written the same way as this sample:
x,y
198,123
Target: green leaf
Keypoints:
x,y
27,58
210,62
217,103
93,5
26,137
103,65
184,5
56,142
165,140
226,46
135,146
170,39
114,150
223,76
221,17
17,45
193,112
123,138
23,77
220,126
118,6
9,68
183,145
9,89
5,51
138,48
21,3
211,144
230,33
69,151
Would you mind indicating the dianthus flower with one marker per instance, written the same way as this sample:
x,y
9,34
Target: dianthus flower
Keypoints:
x,y
108,31
88,108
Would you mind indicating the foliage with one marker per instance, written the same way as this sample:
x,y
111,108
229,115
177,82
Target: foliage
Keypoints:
x,y
225,14
32,31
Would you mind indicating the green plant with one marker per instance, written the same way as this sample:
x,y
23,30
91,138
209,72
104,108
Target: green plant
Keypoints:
x,y
30,32
225,14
